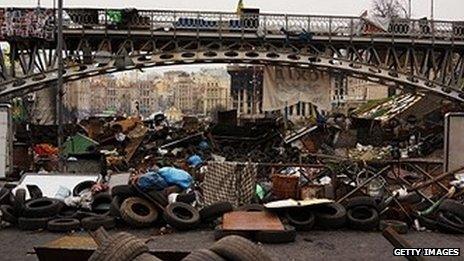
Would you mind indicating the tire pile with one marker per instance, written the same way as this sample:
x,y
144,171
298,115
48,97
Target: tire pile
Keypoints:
x,y
145,209
123,246
47,213
357,213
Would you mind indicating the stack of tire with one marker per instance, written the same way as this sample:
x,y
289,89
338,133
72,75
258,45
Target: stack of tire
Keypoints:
x,y
325,216
230,248
131,207
33,214
121,247
49,213
181,216
362,213
141,209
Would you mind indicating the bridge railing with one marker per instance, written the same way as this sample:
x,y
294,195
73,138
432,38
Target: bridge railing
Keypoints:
x,y
262,24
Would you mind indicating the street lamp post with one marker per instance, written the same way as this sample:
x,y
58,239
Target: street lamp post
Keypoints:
x,y
409,10
431,9
59,86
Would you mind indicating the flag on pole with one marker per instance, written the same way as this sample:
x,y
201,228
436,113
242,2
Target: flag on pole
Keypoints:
x,y
239,6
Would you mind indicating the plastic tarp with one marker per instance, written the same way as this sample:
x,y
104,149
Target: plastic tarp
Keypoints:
x,y
79,144
380,22
175,176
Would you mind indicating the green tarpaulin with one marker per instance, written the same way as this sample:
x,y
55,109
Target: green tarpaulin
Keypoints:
x,y
78,145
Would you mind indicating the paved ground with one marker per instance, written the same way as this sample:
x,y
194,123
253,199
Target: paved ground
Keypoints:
x,y
314,245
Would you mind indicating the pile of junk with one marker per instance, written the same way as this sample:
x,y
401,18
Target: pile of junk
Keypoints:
x,y
264,180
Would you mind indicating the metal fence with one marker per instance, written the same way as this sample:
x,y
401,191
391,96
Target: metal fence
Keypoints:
x,y
262,24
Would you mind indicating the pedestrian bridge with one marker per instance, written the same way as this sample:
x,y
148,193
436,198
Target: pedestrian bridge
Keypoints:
x,y
417,55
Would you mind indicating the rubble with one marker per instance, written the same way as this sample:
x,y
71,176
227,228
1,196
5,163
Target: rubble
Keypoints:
x,y
198,174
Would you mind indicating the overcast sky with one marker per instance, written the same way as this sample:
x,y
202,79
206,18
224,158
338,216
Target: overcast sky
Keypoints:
x,y
444,9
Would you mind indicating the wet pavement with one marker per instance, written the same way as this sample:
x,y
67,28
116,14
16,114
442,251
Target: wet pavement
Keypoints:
x,y
312,245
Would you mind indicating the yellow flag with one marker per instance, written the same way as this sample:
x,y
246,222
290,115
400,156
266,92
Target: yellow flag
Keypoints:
x,y
239,6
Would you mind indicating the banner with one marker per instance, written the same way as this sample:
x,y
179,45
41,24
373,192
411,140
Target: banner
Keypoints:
x,y
286,86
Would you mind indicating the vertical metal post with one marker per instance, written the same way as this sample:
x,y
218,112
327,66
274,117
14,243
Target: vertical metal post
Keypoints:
x,y
431,10
409,10
59,86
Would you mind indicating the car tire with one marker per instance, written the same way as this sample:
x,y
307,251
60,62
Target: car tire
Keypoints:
x,y
80,214
453,206
277,236
32,223
181,216
34,191
18,200
399,226
146,257
363,218
330,216
203,255
8,214
361,201
236,248
63,225
93,223
84,185
138,212
101,199
215,210
301,218
115,207
120,247
42,207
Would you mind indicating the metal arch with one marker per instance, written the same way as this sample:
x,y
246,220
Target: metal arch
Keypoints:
x,y
428,55
359,70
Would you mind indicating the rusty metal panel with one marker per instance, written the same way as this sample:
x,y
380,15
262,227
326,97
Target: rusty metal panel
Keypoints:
x,y
253,221
71,242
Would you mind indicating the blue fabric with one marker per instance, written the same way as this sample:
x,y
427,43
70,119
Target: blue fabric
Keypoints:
x,y
152,180
175,176
194,160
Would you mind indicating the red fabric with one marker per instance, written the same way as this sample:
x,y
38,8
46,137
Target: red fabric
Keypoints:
x,y
45,149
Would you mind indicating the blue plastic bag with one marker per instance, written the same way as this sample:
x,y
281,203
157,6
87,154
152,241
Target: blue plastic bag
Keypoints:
x,y
194,160
151,180
175,176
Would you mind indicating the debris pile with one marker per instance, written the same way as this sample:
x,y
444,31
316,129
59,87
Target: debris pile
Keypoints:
x,y
325,174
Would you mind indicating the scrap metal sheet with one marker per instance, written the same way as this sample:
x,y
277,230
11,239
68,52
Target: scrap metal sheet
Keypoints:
x,y
252,221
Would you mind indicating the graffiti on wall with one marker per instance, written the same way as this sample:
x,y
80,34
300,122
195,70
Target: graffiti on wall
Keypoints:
x,y
26,23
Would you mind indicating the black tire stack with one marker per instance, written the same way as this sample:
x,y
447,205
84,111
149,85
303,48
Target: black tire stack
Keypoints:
x,y
136,208
362,213
36,213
